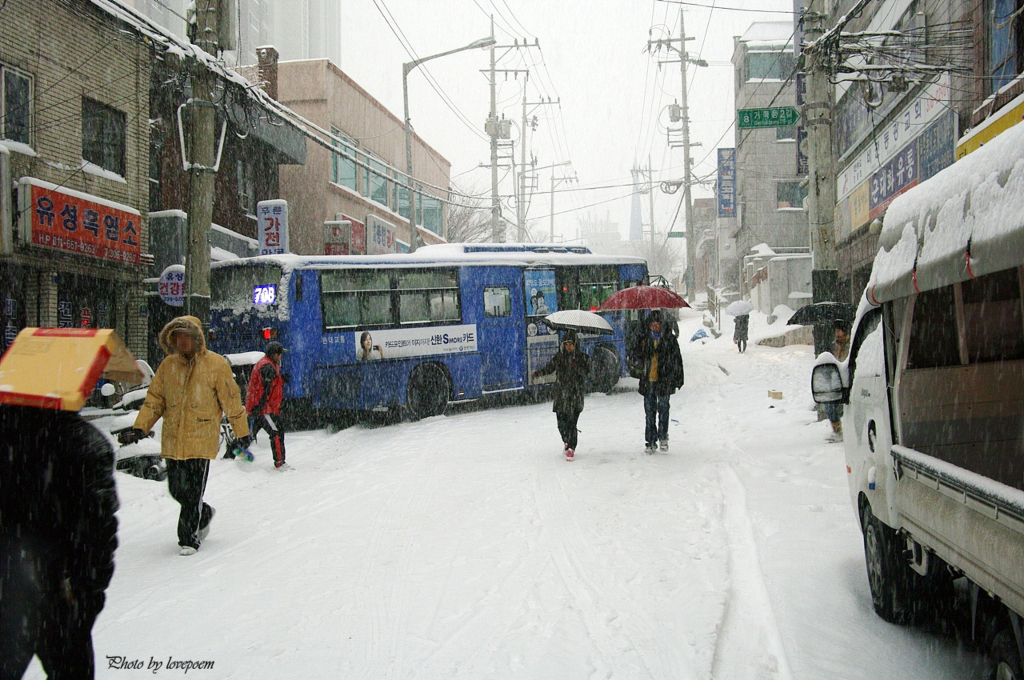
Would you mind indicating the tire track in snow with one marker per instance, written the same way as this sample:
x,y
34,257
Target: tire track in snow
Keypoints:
x,y
749,645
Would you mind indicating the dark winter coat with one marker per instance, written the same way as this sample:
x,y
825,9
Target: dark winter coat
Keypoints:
x,y
571,369
740,331
58,531
670,362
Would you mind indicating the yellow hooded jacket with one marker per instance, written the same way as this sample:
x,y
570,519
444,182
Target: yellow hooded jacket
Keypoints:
x,y
191,394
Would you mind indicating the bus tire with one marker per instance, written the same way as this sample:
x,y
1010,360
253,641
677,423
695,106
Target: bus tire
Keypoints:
x,y
889,576
606,370
428,391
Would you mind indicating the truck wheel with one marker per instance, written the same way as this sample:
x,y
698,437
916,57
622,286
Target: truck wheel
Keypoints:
x,y
1006,657
428,391
606,371
889,577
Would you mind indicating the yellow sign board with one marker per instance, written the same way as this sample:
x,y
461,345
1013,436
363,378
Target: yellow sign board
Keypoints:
x,y
1013,113
58,367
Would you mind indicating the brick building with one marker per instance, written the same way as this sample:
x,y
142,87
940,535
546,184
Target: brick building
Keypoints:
x,y
331,184
74,119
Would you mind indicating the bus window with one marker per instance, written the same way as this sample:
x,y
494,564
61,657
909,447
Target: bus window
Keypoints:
x,y
597,284
235,287
497,302
355,297
428,296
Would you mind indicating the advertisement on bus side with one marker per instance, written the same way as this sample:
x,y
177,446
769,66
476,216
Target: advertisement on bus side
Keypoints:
x,y
414,342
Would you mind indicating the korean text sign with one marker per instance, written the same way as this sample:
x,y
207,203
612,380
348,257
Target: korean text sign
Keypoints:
x,y
272,227
80,223
727,182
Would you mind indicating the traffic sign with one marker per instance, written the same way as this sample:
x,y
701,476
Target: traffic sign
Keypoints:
x,y
779,116
677,234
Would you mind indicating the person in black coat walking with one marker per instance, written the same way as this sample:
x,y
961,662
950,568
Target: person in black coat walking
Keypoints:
x,y
58,534
571,368
656,353
739,335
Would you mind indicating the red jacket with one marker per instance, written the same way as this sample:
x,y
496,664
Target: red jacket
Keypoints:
x,y
266,389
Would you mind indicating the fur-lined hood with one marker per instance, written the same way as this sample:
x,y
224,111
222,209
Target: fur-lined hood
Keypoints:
x,y
190,323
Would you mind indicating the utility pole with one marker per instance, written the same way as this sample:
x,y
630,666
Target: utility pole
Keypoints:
x,y
521,203
684,61
492,120
201,173
821,190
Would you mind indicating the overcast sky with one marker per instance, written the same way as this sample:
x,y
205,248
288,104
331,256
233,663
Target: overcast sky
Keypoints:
x,y
592,57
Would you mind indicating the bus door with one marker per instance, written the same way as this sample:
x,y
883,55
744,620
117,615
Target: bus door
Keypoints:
x,y
541,290
501,329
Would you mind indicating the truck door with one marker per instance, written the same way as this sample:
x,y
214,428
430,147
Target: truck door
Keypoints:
x,y
866,427
501,335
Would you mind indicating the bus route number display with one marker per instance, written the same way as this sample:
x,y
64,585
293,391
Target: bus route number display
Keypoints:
x,y
264,295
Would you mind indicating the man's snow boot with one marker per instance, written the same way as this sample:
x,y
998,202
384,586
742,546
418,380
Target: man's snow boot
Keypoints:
x,y
569,454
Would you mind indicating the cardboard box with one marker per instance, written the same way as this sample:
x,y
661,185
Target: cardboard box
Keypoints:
x,y
58,367
775,394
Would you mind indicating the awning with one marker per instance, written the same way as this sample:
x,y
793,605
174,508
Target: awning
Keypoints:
x,y
965,222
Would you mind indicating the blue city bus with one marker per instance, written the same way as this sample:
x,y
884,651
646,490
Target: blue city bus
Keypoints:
x,y
448,323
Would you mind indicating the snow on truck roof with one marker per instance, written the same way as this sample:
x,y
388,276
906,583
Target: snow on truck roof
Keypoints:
x,y
457,254
964,222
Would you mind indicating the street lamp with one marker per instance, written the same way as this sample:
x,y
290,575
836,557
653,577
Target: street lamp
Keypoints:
x,y
406,68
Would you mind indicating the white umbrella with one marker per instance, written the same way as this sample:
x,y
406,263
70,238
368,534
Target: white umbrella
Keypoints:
x,y
739,308
578,320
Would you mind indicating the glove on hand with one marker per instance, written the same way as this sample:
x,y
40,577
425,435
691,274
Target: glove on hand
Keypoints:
x,y
243,442
131,436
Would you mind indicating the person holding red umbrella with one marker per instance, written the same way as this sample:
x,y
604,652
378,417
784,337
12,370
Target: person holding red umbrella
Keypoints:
x,y
661,374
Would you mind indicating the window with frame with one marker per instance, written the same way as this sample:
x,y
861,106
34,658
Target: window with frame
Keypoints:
x,y
103,136
774,65
343,170
597,284
497,302
428,296
432,214
934,338
1005,42
352,298
993,327
364,174
380,185
15,106
246,178
403,197
790,195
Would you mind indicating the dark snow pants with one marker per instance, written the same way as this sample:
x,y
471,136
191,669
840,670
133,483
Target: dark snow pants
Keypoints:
x,y
270,422
186,480
40,616
656,411
567,427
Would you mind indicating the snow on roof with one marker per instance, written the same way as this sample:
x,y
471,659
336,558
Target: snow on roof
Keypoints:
x,y
777,34
964,222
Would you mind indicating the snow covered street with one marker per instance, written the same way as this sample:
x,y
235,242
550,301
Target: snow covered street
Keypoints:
x,y
465,546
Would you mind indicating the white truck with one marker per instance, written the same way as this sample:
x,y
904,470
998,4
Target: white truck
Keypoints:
x,y
933,390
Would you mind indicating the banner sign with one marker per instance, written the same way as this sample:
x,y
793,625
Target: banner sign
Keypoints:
x,y
172,285
936,146
542,292
357,234
272,227
337,236
414,342
727,182
76,222
380,236
897,176
779,116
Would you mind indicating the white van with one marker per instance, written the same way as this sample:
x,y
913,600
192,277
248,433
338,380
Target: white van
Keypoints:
x,y
934,394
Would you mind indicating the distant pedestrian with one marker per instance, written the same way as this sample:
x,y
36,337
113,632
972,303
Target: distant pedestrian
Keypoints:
x,y
191,390
571,367
841,350
58,533
661,373
739,336
263,400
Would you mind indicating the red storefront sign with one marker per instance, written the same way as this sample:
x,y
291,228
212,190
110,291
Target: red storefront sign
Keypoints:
x,y
357,243
75,222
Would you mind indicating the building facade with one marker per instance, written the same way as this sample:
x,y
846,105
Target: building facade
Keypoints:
x,y
770,191
359,181
74,121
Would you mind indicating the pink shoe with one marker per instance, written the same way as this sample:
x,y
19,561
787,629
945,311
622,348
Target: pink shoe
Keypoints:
x,y
570,454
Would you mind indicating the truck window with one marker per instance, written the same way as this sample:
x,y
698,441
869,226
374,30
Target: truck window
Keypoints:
x,y
934,338
992,318
868,325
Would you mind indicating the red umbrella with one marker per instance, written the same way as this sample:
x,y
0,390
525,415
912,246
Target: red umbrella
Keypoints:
x,y
643,297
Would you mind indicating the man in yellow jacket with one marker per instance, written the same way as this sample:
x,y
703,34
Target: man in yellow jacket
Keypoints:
x,y
191,390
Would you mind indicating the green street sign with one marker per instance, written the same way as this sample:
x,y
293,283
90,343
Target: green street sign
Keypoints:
x,y
779,116
677,234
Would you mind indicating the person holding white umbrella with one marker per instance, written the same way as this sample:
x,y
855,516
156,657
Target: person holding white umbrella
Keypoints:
x,y
741,310
571,368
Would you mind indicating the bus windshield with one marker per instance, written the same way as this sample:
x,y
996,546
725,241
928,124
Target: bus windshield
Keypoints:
x,y
243,287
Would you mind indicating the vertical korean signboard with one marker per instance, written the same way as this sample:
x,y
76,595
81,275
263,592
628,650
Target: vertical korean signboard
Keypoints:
x,y
272,227
62,219
727,182
380,236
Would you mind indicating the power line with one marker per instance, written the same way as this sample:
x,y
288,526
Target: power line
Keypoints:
x,y
732,9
